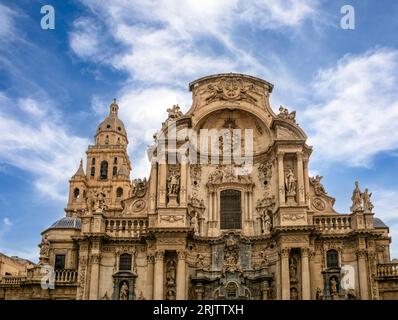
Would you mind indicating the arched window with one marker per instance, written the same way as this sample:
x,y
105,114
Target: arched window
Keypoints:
x,y
115,160
114,172
119,192
332,259
93,161
92,171
76,193
104,170
125,262
230,214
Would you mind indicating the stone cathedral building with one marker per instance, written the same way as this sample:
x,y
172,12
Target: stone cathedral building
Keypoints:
x,y
252,225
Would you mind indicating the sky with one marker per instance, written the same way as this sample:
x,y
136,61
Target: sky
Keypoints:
x,y
56,86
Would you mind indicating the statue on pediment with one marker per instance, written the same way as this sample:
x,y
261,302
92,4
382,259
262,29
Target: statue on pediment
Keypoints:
x,y
367,203
140,187
356,198
174,113
318,186
285,115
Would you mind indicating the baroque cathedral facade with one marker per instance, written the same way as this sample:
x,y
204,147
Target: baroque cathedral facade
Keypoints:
x,y
259,229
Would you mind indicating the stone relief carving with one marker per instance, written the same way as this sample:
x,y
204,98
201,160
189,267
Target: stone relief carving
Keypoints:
x,y
171,218
195,171
231,255
139,188
44,249
318,186
285,133
285,115
138,205
318,204
100,205
292,217
228,174
265,171
230,89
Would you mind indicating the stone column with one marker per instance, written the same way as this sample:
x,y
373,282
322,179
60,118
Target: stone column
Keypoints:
x,y
152,187
95,276
305,274
306,182
183,188
150,276
278,283
181,275
300,179
285,276
363,274
281,179
162,184
158,276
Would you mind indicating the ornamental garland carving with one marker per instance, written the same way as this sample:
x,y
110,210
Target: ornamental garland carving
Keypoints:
x,y
292,217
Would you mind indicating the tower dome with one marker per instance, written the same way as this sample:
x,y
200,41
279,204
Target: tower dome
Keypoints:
x,y
111,131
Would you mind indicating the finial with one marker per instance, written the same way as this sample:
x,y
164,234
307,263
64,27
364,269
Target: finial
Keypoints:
x,y
81,162
113,108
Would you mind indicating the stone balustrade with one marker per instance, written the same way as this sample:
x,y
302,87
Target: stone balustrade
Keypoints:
x,y
12,280
126,227
65,276
333,223
387,269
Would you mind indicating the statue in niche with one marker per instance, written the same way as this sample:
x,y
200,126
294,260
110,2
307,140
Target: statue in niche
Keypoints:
x,y
170,295
171,274
293,294
266,221
173,184
356,198
141,296
333,286
290,182
293,269
195,223
44,247
319,294
124,291
318,186
367,203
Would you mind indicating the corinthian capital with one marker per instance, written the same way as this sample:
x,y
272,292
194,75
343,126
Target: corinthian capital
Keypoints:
x,y
159,255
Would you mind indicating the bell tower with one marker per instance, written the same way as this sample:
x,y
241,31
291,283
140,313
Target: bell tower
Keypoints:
x,y
108,168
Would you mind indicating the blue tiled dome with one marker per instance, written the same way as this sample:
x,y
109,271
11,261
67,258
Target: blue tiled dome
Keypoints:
x,y
67,223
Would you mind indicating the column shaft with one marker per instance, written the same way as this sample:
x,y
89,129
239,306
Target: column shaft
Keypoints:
x,y
300,178
363,275
281,178
181,275
150,277
305,275
158,276
285,277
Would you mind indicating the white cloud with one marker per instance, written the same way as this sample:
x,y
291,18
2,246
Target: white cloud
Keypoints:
x,y
358,112
7,221
41,146
6,22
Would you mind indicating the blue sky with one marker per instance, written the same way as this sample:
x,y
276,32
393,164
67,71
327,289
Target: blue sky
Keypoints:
x,y
56,85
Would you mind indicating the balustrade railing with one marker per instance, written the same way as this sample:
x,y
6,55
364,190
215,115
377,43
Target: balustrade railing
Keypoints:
x,y
126,227
333,223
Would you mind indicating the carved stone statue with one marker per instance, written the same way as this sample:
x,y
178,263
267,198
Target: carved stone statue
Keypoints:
x,y
100,201
267,223
319,294
356,198
333,286
173,184
139,188
124,291
367,204
285,115
195,224
293,269
174,112
171,273
200,260
318,187
44,248
290,182
170,295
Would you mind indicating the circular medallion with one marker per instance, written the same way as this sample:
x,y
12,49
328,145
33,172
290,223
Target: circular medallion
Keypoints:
x,y
138,205
318,204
